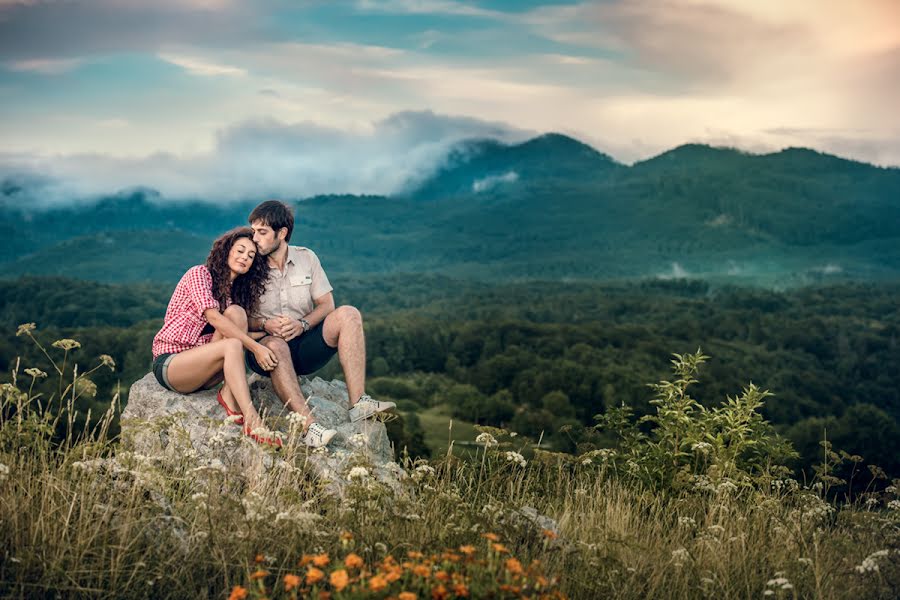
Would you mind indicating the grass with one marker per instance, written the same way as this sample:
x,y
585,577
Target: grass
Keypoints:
x,y
84,516
436,424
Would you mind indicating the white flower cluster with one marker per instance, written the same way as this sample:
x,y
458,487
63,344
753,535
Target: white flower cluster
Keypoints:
x,y
515,457
486,440
780,582
360,473
357,439
422,471
870,563
4,472
726,487
213,465
680,556
256,509
701,447
891,489
687,522
784,484
894,505
296,419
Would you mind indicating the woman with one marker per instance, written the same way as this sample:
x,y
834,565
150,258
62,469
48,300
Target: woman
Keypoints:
x,y
205,331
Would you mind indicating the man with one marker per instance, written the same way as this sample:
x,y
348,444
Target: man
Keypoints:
x,y
304,328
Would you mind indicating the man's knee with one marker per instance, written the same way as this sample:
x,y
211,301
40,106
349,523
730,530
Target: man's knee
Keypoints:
x,y
278,346
348,314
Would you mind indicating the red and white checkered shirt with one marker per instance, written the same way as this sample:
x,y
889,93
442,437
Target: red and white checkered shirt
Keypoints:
x,y
184,317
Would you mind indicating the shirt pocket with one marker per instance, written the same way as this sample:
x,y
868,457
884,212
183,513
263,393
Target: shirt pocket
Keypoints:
x,y
300,280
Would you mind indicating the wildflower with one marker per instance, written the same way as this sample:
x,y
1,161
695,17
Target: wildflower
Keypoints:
x,y
296,419
291,582
486,440
442,576
339,579
238,593
499,548
439,593
460,590
25,328
680,556
517,458
686,521
66,344
358,473
467,550
870,563
701,447
357,439
85,387
491,536
414,554
314,576
4,471
35,373
406,596
354,561
894,505
259,574
421,571
550,534
805,561
107,361
514,566
891,489
377,583
320,560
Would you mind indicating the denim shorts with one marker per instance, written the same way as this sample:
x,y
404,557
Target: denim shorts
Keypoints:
x,y
161,368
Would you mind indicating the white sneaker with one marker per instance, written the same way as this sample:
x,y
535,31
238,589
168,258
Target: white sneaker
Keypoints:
x,y
365,407
317,436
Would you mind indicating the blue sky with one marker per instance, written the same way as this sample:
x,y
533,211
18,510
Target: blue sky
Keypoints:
x,y
219,97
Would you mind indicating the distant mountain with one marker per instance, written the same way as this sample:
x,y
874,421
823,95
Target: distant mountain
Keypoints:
x,y
549,208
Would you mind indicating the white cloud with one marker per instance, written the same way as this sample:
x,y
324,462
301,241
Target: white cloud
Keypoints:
x,y
200,66
45,66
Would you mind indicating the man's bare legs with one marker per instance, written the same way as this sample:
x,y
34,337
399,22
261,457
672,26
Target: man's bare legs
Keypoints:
x,y
284,378
343,329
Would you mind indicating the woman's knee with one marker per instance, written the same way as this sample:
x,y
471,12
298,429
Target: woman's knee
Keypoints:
x,y
232,346
237,315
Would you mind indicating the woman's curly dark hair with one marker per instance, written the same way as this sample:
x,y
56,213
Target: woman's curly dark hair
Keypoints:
x,y
247,288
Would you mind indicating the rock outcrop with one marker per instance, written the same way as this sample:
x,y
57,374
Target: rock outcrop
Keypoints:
x,y
158,421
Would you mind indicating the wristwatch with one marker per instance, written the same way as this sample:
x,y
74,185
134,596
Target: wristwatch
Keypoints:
x,y
305,324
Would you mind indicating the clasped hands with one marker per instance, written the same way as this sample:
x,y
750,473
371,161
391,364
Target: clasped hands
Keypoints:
x,y
284,327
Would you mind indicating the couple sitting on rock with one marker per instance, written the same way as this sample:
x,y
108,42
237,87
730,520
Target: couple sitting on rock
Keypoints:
x,y
257,294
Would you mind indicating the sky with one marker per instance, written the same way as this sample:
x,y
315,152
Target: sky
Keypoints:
x,y
227,99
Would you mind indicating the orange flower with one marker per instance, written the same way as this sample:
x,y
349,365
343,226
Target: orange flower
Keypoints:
x,y
339,579
442,576
305,559
354,561
406,596
324,595
550,534
421,570
467,550
461,590
259,574
237,593
450,556
377,583
439,593
491,536
514,566
346,536
314,576
320,560
414,555
260,558
541,582
500,548
290,582
394,574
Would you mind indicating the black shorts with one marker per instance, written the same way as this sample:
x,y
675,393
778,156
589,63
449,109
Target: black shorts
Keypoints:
x,y
309,353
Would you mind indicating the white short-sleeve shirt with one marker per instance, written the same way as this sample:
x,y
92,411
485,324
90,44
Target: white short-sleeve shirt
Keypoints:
x,y
292,292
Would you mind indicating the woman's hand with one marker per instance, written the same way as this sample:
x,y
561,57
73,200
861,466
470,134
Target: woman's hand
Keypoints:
x,y
265,358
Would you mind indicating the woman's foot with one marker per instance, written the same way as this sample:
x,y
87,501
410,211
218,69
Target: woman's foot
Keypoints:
x,y
228,410
263,437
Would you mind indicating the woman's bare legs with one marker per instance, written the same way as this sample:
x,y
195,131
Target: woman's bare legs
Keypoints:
x,y
238,316
191,369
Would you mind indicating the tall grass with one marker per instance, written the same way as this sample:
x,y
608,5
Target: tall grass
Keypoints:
x,y
84,516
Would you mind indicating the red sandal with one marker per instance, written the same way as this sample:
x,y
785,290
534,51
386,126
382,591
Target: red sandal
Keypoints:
x,y
228,411
265,441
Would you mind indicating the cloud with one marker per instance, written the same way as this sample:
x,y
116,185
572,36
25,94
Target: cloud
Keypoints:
x,y
201,67
261,158
45,66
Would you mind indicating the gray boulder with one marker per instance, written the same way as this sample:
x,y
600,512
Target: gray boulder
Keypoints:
x,y
158,422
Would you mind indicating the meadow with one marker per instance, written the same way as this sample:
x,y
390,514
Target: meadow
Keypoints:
x,y
689,502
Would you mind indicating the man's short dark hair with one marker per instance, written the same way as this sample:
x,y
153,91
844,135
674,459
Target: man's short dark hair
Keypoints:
x,y
275,214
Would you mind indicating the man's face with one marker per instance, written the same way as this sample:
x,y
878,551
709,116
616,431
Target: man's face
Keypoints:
x,y
267,241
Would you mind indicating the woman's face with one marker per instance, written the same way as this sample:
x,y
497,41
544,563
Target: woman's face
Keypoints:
x,y
241,256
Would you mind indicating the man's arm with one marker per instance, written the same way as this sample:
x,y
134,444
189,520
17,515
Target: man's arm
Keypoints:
x,y
292,327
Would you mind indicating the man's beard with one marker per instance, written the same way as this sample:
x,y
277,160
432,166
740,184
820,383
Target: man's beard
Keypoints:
x,y
275,247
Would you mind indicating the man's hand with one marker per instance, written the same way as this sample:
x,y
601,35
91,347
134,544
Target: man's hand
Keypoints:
x,y
274,325
291,328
